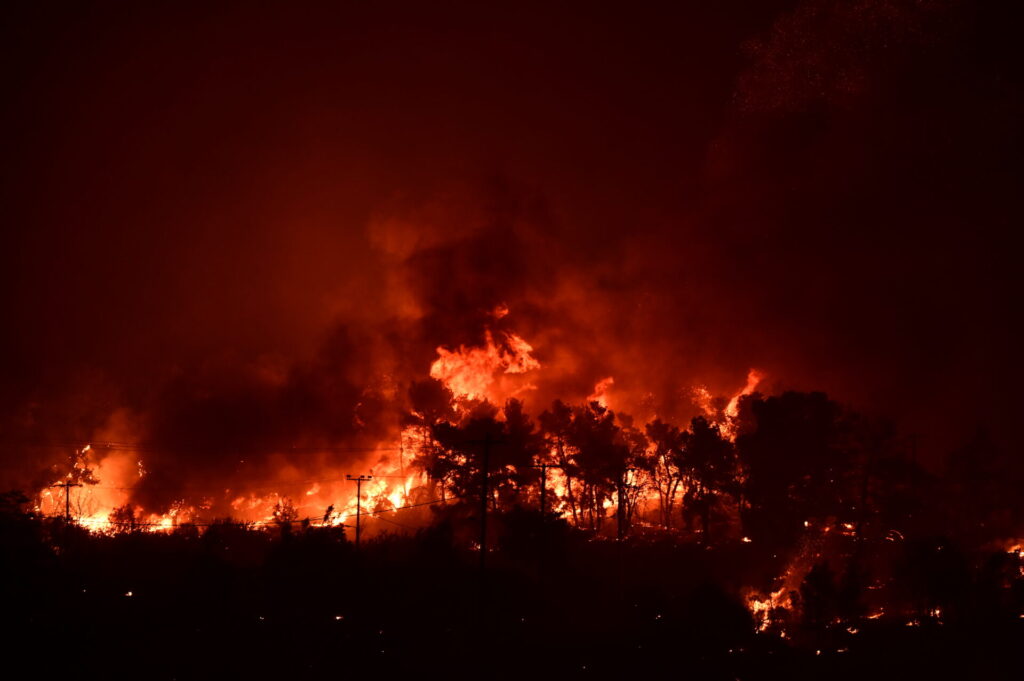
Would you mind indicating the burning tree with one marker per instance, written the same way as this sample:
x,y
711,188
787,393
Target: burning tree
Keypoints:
x,y
667,446
464,447
600,457
430,406
520,448
708,464
556,424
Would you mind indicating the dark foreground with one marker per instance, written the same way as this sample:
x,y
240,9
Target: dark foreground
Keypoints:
x,y
231,602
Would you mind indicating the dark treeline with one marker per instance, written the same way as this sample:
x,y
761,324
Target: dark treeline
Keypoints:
x,y
878,567
773,471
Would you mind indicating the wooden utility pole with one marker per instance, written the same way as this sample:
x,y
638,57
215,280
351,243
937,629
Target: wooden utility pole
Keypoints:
x,y
67,485
359,480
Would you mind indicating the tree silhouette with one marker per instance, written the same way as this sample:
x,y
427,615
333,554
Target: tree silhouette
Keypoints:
x,y
600,457
661,465
430,404
796,462
123,519
984,477
520,446
708,464
462,450
630,486
556,424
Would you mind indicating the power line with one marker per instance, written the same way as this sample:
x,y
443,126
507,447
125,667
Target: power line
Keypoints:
x,y
403,526
67,485
423,503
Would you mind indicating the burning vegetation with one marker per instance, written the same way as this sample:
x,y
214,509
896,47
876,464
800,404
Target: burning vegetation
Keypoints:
x,y
828,511
407,339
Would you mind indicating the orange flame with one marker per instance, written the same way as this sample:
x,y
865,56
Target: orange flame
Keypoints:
x,y
471,373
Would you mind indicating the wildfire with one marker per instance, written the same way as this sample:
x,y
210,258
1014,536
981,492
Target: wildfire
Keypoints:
x,y
102,502
725,418
704,400
103,474
401,475
732,410
765,608
470,373
754,378
601,389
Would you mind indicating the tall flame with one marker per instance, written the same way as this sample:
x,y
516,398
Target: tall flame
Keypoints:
x,y
471,372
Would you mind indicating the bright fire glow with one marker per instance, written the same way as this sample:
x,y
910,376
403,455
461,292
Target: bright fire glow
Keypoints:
x,y
493,371
470,373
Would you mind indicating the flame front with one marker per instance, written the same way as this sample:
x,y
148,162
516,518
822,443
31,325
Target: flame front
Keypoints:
x,y
474,373
107,473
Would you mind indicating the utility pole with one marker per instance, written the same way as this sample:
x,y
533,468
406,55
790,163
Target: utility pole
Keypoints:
x,y
359,480
67,485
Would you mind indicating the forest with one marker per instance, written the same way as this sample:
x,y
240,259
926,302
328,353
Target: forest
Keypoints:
x,y
793,538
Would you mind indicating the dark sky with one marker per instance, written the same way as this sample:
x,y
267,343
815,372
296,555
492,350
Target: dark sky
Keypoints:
x,y
272,206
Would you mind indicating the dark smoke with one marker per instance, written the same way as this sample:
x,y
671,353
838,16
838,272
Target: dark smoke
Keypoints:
x,y
251,228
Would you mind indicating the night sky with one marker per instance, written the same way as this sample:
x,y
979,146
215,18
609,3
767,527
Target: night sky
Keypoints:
x,y
278,210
